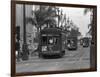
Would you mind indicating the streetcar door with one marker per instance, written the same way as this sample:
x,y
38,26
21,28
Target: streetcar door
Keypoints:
x,y
54,43
43,45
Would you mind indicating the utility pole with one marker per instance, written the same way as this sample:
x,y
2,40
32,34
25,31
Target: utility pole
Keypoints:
x,y
68,21
61,19
65,22
58,15
25,54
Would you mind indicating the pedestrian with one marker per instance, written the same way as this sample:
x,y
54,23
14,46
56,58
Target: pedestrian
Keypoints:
x,y
18,55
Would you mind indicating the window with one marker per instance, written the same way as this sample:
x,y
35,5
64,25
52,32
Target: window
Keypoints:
x,y
52,40
44,39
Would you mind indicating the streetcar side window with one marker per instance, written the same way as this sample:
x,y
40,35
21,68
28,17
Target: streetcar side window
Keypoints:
x,y
50,40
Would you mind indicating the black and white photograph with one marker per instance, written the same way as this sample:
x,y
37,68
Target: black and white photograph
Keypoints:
x,y
52,38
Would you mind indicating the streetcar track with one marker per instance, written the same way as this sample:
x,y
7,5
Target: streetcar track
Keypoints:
x,y
70,56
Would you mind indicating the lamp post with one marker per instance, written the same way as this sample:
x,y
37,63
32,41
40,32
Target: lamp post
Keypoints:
x,y
25,54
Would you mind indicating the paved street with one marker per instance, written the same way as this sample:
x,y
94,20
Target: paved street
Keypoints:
x,y
73,59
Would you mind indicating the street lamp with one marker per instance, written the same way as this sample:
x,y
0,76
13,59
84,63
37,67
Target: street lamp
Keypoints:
x,y
25,54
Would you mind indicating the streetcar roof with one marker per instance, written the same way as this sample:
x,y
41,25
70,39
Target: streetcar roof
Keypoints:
x,y
49,35
51,30
71,37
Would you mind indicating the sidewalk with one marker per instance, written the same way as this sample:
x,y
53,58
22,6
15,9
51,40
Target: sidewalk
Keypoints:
x,y
31,59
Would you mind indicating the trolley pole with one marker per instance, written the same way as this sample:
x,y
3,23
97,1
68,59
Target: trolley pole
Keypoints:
x,y
25,54
58,16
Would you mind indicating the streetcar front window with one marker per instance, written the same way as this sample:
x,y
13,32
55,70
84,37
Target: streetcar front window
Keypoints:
x,y
52,40
44,40
49,40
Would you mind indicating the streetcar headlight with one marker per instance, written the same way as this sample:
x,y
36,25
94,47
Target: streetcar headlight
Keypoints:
x,y
68,45
44,48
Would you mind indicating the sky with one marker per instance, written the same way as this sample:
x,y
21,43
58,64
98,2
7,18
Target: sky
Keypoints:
x,y
78,17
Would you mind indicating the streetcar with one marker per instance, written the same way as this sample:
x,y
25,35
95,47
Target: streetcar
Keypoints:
x,y
52,42
72,43
85,42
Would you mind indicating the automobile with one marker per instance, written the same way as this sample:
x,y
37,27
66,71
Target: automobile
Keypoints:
x,y
85,42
